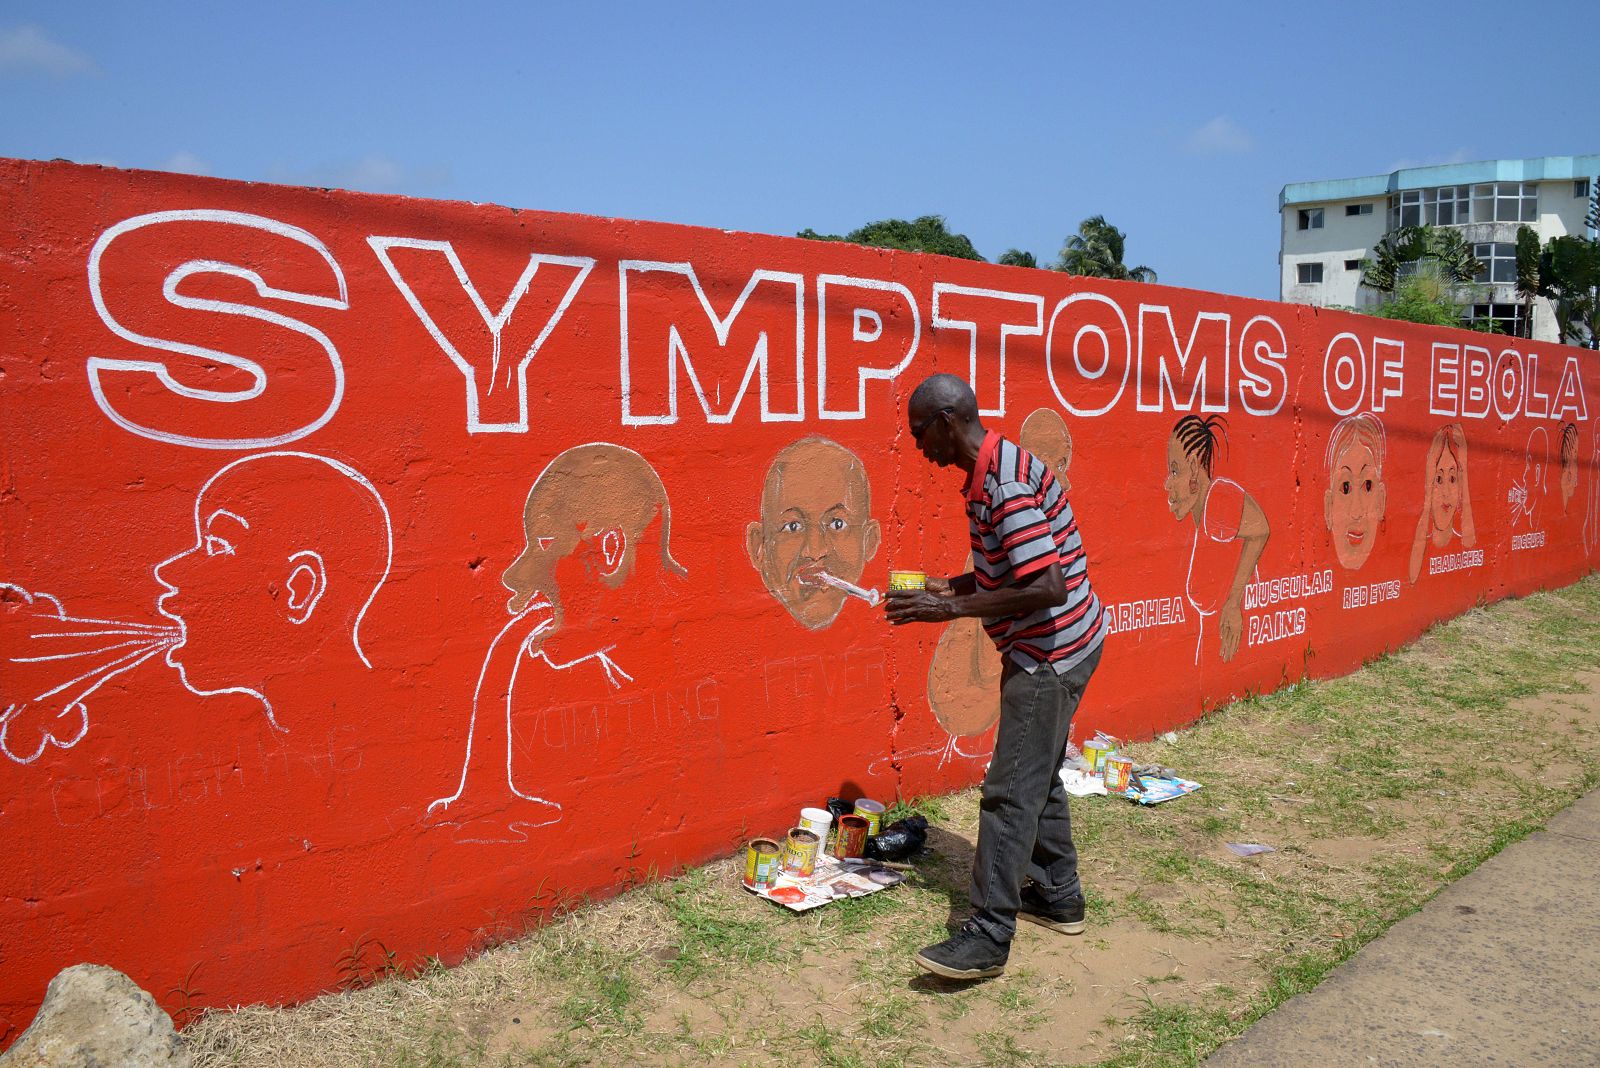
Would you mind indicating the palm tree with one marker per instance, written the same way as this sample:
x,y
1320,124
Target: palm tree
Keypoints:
x,y
1095,251
1405,245
1015,257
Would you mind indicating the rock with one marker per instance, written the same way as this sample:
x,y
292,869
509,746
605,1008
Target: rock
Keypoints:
x,y
96,1017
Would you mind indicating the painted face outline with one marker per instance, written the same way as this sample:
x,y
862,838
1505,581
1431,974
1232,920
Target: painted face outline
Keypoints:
x,y
1446,494
1182,481
815,515
255,573
1355,503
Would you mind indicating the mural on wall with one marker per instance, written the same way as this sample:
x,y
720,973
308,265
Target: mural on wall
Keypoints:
x,y
228,762
266,575
1355,503
1591,515
55,662
1230,529
1446,517
597,521
1044,433
816,516
1569,464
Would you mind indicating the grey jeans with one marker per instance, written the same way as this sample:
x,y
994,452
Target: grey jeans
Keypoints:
x,y
1024,828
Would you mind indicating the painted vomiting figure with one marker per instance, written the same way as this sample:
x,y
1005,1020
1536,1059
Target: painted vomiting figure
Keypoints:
x,y
1030,585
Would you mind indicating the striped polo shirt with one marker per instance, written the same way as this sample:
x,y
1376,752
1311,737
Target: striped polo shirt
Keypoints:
x,y
1020,521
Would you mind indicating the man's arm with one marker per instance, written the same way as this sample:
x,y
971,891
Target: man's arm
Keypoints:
x,y
1043,588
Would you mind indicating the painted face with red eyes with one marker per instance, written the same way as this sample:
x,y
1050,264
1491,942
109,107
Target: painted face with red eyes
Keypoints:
x,y
1354,503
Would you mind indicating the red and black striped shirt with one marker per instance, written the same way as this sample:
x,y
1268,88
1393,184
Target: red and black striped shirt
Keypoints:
x,y
1020,522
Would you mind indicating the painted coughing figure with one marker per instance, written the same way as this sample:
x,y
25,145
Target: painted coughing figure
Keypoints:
x,y
290,551
1356,498
816,515
1446,502
598,529
1230,529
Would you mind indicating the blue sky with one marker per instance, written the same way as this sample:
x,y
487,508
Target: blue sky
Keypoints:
x,y
1179,122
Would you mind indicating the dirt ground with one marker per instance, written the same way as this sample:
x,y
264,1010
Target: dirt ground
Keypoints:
x,y
1373,790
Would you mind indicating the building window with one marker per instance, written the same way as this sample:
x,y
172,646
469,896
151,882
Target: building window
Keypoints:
x,y
1308,273
1450,207
1505,202
1310,218
1405,209
1580,188
1499,263
1352,265
1366,209
1507,318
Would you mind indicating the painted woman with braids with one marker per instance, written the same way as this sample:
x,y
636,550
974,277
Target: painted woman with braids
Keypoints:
x,y
1230,529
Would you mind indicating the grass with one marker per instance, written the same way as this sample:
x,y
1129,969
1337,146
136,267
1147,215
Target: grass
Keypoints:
x,y
1375,789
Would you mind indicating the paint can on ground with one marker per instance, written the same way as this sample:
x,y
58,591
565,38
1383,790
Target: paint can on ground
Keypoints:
x,y
873,811
908,580
1095,752
852,841
817,821
761,864
1119,772
800,853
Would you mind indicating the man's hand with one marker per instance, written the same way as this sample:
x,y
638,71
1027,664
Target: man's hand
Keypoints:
x,y
920,606
940,587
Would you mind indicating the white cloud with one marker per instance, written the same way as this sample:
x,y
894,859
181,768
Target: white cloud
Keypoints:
x,y
28,50
185,163
1221,134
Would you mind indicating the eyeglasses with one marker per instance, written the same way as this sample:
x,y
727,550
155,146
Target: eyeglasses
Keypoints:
x,y
918,431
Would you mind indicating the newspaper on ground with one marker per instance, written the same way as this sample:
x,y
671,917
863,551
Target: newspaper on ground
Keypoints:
x,y
832,880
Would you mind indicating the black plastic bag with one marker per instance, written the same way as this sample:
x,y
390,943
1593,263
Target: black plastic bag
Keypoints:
x,y
901,839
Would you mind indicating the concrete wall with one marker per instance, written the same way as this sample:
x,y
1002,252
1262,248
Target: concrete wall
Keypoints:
x,y
385,572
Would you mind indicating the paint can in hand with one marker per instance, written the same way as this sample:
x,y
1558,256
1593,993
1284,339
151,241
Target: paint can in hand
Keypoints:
x,y
908,580
800,853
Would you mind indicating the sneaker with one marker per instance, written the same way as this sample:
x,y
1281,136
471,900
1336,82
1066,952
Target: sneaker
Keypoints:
x,y
1066,918
967,954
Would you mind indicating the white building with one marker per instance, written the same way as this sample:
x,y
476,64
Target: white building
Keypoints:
x,y
1329,227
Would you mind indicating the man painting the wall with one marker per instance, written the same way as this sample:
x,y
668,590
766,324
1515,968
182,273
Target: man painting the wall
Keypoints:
x,y
1030,586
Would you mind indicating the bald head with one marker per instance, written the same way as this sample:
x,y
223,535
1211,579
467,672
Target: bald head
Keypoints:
x,y
816,514
1045,435
943,391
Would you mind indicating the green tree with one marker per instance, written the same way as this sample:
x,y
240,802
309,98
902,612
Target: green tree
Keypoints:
x,y
1425,295
1530,277
927,233
1096,250
1570,272
1015,257
1389,263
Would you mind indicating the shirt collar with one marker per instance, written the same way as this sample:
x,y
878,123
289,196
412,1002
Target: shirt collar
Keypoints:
x,y
980,469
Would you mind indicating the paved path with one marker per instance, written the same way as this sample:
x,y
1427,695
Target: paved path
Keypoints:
x,y
1501,968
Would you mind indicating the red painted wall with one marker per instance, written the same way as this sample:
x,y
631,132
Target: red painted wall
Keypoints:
x,y
300,485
